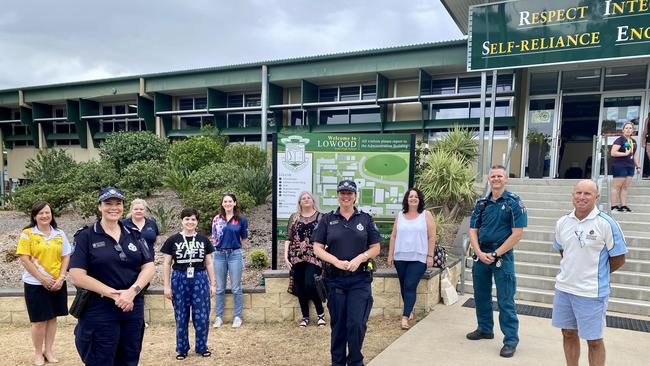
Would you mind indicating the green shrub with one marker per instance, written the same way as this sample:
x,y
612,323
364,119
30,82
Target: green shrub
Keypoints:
x,y
259,258
166,218
123,148
257,182
57,195
50,166
461,142
216,176
196,152
142,177
177,179
93,175
448,183
422,152
207,203
245,156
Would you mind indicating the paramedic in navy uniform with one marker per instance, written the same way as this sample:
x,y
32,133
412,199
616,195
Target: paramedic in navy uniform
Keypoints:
x,y
112,261
346,239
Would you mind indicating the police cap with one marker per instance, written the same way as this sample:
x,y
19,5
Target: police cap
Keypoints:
x,y
110,192
347,185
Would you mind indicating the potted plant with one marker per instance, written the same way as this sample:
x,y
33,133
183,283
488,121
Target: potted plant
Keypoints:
x,y
537,149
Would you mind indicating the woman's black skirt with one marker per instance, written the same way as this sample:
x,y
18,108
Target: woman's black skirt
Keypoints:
x,y
44,305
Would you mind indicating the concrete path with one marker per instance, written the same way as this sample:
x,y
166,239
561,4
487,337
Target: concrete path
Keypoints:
x,y
439,339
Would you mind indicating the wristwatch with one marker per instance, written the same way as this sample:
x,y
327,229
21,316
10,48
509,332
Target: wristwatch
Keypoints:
x,y
494,254
136,288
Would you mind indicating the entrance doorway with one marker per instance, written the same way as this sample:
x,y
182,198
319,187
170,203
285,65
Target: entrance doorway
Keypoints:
x,y
579,123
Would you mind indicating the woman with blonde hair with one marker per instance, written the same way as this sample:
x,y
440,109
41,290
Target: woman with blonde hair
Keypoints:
x,y
137,219
299,256
624,164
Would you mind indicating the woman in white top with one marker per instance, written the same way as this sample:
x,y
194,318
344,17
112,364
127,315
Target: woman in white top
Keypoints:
x,y
412,245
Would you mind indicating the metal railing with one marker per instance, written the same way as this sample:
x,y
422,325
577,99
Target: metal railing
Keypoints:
x,y
463,262
600,152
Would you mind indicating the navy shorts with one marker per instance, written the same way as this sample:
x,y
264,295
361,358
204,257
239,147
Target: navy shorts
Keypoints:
x,y
622,171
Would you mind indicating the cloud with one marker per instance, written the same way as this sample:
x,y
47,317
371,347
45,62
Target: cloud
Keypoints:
x,y
49,42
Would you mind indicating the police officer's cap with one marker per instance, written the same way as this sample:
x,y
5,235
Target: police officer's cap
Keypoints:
x,y
110,192
347,185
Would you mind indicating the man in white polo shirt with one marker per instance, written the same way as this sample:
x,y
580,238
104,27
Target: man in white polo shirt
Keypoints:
x,y
592,246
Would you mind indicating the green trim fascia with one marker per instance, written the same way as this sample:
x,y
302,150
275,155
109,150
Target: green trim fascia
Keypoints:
x,y
145,111
9,98
469,123
403,126
18,138
354,127
308,92
72,107
61,136
186,132
5,114
450,54
41,110
27,119
275,94
87,90
204,79
217,98
90,108
424,79
382,86
162,102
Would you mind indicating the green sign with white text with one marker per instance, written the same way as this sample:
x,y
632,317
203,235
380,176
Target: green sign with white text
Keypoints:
x,y
533,32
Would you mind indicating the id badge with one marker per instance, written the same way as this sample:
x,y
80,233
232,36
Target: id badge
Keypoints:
x,y
190,272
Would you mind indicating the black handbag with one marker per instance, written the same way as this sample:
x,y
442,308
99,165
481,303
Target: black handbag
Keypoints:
x,y
440,257
80,302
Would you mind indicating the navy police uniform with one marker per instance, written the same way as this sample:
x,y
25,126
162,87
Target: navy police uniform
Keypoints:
x,y
105,335
349,295
494,221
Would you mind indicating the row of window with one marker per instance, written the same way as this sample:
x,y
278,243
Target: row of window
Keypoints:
x,y
589,80
467,85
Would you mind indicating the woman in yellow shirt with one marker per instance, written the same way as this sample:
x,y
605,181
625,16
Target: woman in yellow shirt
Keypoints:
x,y
44,251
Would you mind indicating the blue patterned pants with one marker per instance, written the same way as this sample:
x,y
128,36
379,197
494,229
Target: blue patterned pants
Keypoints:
x,y
191,293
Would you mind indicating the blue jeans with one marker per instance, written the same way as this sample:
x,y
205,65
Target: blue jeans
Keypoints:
x,y
409,273
506,284
229,261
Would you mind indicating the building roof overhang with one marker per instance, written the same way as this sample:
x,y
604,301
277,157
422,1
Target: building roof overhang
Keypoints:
x,y
459,10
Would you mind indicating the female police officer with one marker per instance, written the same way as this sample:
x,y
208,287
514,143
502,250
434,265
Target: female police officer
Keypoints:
x,y
346,239
114,263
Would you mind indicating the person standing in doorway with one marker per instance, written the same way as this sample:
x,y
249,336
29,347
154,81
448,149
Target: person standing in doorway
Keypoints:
x,y
592,246
497,224
624,164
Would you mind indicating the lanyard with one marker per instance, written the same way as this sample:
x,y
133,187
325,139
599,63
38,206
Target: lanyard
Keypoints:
x,y
189,245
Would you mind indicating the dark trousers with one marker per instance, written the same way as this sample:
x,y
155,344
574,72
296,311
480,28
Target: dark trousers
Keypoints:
x,y
506,283
194,294
349,300
409,273
107,336
303,276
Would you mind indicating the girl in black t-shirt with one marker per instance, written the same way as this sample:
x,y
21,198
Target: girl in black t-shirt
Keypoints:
x,y
191,284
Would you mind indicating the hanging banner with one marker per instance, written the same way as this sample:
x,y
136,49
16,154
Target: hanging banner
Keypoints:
x,y
527,33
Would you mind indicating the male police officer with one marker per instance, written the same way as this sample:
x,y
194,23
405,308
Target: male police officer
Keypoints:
x,y
497,224
346,239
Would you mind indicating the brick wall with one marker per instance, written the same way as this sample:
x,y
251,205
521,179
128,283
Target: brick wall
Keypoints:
x,y
271,303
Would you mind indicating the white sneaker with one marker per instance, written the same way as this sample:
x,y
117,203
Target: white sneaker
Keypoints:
x,y
236,323
217,323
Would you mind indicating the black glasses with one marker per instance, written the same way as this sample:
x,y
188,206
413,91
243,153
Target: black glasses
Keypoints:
x,y
120,251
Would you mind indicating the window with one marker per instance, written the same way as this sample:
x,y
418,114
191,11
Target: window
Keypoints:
x,y
253,100
115,120
248,119
581,81
469,109
443,87
502,110
368,92
469,85
194,121
235,100
328,94
347,116
18,129
449,110
625,77
543,83
347,93
297,118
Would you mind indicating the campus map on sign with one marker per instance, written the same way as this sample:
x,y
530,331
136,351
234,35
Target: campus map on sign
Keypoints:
x,y
379,164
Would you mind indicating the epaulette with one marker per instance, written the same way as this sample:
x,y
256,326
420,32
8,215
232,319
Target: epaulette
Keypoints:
x,y
80,230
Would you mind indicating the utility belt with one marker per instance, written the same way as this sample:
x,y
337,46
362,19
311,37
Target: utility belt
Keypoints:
x,y
332,272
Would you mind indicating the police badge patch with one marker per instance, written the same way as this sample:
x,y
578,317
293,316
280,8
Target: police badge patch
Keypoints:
x,y
360,227
132,247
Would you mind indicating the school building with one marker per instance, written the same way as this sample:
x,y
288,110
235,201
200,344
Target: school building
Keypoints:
x,y
423,89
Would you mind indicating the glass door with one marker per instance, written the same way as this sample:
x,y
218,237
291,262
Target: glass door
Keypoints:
x,y
541,138
617,109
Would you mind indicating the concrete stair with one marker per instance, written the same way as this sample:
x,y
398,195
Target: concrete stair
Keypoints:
x,y
537,263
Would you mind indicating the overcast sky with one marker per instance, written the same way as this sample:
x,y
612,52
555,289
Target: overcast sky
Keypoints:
x,y
44,42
